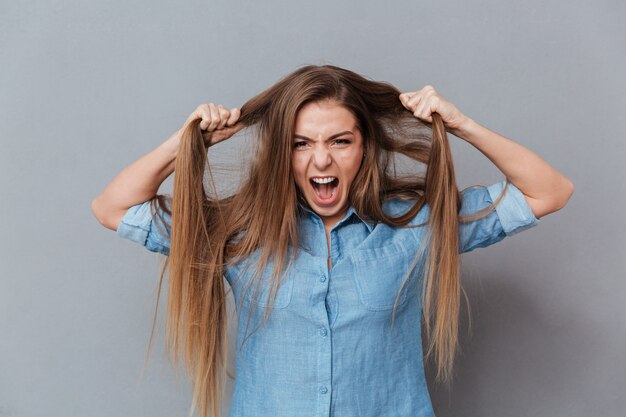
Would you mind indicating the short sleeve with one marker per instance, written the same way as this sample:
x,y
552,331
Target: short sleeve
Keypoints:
x,y
511,216
137,225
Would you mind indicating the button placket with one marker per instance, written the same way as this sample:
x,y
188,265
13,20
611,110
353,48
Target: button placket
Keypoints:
x,y
324,354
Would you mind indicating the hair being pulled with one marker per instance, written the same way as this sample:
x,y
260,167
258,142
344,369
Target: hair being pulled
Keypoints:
x,y
209,232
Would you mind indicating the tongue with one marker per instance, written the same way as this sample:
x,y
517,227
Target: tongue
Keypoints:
x,y
325,190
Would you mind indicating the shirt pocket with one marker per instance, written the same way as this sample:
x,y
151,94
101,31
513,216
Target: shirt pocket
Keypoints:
x,y
257,291
378,276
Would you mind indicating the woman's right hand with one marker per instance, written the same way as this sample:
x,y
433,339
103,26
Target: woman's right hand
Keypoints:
x,y
218,123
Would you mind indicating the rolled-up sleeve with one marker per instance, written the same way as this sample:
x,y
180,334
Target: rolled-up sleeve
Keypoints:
x,y
511,216
139,226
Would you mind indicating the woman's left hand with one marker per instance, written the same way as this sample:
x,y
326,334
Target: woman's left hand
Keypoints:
x,y
426,101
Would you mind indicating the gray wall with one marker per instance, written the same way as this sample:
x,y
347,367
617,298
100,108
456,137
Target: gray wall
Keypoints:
x,y
88,87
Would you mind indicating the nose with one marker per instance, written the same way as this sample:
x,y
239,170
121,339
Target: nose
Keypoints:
x,y
321,157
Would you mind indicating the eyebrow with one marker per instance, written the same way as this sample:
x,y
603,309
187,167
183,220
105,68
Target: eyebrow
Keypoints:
x,y
329,138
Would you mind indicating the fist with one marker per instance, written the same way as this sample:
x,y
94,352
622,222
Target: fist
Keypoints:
x,y
424,102
218,123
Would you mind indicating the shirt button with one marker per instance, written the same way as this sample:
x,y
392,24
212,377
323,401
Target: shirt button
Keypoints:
x,y
322,278
323,390
323,332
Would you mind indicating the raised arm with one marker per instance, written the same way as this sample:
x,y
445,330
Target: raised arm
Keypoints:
x,y
136,183
545,189
141,180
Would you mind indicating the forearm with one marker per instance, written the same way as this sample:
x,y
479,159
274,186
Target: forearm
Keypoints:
x,y
525,169
140,180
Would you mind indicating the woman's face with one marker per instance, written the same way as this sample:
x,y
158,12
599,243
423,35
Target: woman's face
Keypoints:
x,y
327,154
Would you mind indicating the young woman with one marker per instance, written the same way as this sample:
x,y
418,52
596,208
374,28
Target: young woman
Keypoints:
x,y
342,254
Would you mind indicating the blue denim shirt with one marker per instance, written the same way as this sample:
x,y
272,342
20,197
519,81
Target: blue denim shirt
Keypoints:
x,y
328,348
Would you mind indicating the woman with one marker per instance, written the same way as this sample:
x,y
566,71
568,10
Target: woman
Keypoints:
x,y
346,255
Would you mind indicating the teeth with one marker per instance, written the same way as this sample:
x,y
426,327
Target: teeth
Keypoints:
x,y
323,180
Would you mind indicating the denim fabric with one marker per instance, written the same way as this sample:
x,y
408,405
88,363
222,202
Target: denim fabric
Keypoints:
x,y
328,348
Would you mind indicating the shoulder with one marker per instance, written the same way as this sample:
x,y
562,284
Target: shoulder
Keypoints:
x,y
396,207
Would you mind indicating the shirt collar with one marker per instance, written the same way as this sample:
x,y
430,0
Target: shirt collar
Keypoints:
x,y
349,214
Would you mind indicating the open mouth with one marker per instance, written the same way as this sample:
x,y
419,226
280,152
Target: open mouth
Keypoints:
x,y
325,187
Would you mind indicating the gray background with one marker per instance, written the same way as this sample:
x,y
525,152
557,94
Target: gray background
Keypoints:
x,y
88,87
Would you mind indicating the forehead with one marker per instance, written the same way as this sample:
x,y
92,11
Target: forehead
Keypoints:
x,y
322,116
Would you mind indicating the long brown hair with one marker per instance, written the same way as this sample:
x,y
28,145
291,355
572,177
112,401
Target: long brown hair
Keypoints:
x,y
208,232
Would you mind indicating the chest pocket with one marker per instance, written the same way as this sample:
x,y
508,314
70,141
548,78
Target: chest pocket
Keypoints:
x,y
378,275
257,291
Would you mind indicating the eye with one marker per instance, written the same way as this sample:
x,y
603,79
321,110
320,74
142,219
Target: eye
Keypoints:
x,y
343,141
299,144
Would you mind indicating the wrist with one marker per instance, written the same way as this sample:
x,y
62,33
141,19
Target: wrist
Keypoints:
x,y
465,129
172,144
